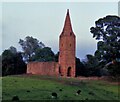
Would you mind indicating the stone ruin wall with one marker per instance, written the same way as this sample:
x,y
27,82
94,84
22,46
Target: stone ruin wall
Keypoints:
x,y
43,68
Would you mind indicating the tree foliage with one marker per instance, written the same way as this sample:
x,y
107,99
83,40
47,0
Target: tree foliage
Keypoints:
x,y
12,62
80,68
43,55
57,57
92,66
114,69
34,50
107,32
29,47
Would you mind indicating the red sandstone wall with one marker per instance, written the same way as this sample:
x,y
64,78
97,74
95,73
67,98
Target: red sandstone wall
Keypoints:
x,y
43,68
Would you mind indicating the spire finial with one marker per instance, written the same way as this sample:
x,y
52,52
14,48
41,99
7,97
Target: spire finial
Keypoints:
x,y
67,10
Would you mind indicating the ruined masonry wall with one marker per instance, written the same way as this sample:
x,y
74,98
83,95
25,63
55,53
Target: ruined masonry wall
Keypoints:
x,y
43,68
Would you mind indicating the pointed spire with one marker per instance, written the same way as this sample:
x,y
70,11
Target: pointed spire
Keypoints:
x,y
67,11
67,25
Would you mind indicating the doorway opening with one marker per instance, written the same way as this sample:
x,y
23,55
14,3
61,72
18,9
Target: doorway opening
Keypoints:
x,y
60,70
69,72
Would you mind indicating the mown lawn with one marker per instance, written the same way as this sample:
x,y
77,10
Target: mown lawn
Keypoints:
x,y
41,87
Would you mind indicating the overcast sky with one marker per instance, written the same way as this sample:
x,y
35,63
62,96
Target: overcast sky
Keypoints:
x,y
45,21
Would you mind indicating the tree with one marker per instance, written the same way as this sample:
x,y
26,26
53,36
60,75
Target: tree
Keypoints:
x,y
114,69
107,32
29,46
57,57
45,54
13,50
7,63
33,50
92,67
80,68
12,62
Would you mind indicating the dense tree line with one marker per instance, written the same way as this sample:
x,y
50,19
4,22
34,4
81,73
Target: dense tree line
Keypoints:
x,y
12,62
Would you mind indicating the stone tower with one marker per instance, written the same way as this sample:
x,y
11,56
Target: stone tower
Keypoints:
x,y
67,42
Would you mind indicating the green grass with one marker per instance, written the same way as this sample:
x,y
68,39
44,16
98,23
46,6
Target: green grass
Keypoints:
x,y
41,87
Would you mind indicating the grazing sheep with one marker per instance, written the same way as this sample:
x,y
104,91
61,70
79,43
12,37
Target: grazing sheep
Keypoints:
x,y
28,90
91,93
60,89
86,99
78,92
15,98
54,95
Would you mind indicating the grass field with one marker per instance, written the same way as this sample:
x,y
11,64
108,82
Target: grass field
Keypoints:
x,y
41,87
